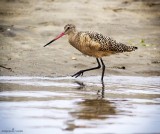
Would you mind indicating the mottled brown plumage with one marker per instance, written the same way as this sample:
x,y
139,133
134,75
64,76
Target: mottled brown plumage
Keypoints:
x,y
93,44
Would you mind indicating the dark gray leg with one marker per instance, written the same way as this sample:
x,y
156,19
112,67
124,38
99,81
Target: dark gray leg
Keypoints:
x,y
103,70
82,71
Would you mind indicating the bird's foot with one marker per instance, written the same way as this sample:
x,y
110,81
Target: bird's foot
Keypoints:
x,y
80,73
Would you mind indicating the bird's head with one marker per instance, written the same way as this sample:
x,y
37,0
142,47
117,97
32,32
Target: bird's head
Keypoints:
x,y
69,28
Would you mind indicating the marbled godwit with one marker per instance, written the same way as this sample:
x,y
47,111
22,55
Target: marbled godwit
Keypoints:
x,y
93,44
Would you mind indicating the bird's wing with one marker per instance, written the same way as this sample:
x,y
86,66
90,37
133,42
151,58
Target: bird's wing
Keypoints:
x,y
99,42
104,43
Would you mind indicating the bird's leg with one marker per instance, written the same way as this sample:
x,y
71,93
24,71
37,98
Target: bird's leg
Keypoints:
x,y
103,86
103,70
82,71
103,89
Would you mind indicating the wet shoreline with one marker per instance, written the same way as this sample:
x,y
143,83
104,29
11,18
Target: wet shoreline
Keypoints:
x,y
46,106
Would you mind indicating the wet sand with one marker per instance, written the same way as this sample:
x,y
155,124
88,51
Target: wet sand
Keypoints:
x,y
25,26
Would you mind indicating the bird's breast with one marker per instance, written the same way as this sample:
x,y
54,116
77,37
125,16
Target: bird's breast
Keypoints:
x,y
86,45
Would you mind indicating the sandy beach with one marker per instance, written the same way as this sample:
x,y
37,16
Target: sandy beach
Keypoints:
x,y
26,26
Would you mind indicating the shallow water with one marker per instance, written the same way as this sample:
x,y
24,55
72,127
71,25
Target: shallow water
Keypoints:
x,y
68,105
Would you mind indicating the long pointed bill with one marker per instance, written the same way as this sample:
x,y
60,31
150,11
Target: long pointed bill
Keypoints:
x,y
59,36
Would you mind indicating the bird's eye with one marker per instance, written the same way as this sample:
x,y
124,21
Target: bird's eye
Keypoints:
x,y
68,28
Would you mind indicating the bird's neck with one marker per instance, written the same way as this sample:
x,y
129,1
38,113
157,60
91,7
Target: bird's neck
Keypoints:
x,y
72,34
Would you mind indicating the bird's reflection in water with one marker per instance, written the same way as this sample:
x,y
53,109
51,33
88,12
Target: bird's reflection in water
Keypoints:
x,y
100,93
93,109
89,110
81,84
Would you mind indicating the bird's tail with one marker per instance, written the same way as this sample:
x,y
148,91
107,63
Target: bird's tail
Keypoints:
x,y
124,48
131,48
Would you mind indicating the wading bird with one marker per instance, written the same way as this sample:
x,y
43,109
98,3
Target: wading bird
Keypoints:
x,y
93,44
